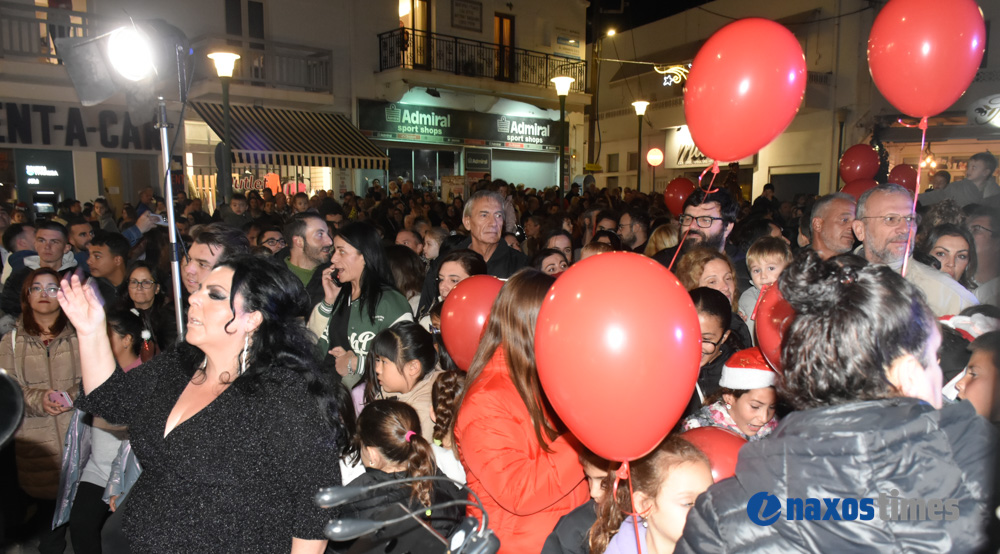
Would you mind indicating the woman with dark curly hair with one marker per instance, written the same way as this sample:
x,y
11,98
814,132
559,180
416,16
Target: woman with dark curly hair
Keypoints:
x,y
860,366
236,429
952,248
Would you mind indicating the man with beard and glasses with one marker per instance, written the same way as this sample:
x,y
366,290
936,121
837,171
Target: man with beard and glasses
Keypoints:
x,y
885,222
707,220
831,224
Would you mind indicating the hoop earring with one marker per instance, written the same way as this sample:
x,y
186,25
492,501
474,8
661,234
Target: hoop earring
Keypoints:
x,y
246,344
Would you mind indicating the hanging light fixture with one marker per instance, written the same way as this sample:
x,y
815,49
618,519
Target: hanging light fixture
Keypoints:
x,y
928,158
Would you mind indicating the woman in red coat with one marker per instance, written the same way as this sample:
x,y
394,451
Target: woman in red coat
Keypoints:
x,y
527,474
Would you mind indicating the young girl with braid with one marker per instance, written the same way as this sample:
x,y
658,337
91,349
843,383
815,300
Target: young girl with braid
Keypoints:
x,y
392,447
444,407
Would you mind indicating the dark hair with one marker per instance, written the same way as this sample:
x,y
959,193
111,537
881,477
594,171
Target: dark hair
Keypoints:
x,y
117,244
511,326
402,343
445,394
768,187
728,208
539,257
376,276
989,159
297,226
988,342
616,241
10,235
638,216
973,211
712,302
604,214
232,241
647,475
407,269
76,220
282,345
387,425
560,232
28,316
300,195
954,352
49,225
853,321
471,261
238,196
951,230
126,324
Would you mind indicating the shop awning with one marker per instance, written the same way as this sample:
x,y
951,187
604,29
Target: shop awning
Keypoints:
x,y
271,136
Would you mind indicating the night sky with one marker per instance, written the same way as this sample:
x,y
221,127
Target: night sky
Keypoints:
x,y
634,13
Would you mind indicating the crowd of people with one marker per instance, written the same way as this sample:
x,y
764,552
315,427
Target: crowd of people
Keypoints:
x,y
313,357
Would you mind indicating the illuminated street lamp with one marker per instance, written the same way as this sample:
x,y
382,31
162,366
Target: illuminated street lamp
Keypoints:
x,y
224,64
562,89
640,110
654,158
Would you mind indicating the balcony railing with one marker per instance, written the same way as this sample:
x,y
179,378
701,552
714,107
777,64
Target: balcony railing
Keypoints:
x,y
27,31
412,49
266,63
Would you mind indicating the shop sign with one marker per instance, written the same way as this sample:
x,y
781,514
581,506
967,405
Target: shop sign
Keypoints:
x,y
985,111
680,151
410,123
478,160
62,126
248,182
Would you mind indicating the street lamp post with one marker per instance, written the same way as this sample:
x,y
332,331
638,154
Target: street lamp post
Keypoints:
x,y
224,63
562,89
640,109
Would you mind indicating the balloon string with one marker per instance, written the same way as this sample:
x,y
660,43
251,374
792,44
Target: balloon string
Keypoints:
x,y
634,514
763,290
916,194
679,244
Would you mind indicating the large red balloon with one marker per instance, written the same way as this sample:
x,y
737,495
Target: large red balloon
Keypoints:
x,y
904,175
859,187
722,447
923,54
676,193
745,87
859,162
618,364
774,316
464,315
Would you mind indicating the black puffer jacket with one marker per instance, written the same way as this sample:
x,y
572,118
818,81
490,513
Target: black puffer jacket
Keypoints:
x,y
855,450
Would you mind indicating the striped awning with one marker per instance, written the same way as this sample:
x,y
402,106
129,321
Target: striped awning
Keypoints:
x,y
270,136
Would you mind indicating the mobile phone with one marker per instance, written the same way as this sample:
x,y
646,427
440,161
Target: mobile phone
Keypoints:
x,y
61,398
334,277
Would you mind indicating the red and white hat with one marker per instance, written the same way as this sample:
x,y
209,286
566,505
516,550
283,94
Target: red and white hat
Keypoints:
x,y
747,370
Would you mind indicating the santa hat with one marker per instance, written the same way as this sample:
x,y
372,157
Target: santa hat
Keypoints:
x,y
747,370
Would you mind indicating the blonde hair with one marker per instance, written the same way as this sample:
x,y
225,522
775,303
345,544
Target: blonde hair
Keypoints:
x,y
769,247
664,236
692,264
593,248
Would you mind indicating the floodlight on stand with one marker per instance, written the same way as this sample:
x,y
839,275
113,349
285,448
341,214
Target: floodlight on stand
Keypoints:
x,y
130,53
224,62
563,84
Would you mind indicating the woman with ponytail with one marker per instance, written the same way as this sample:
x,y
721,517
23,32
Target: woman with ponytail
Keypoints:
x,y
860,367
392,447
448,387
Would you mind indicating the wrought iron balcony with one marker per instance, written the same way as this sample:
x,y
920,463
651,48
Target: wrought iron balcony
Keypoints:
x,y
412,49
27,31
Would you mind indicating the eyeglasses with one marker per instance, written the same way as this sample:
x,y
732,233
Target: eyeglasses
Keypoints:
x,y
891,220
274,242
623,225
51,291
709,347
977,229
704,221
147,284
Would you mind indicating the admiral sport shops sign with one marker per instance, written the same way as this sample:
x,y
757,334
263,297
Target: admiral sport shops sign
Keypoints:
x,y
410,123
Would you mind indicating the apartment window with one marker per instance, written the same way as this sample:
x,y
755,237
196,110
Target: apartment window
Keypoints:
x,y
633,161
612,163
612,181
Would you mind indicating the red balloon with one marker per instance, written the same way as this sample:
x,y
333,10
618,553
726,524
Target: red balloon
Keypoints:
x,y
857,188
859,162
676,193
774,316
464,315
722,447
904,175
912,40
618,364
745,87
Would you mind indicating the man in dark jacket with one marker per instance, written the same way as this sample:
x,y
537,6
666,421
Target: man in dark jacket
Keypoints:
x,y
483,217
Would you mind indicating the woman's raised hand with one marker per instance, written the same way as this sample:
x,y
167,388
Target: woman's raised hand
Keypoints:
x,y
81,305
331,288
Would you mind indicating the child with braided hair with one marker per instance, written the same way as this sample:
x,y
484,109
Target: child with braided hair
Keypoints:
x,y
444,407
